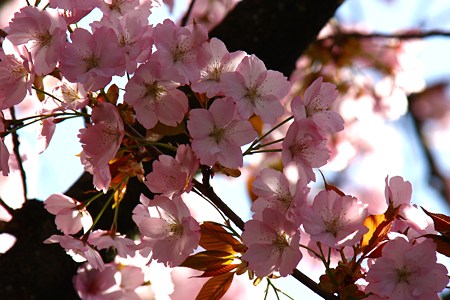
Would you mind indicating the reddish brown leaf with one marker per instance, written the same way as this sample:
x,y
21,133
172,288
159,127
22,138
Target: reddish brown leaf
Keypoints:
x,y
224,269
113,94
215,237
209,260
441,222
215,287
442,243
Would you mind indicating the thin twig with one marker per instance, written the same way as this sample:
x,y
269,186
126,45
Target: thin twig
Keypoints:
x,y
16,144
399,36
188,13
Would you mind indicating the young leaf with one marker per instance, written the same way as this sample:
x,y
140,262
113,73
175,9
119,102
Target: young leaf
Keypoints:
x,y
215,287
215,237
209,260
441,222
442,243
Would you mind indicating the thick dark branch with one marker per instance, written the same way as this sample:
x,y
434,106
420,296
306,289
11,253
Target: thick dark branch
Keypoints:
x,y
278,32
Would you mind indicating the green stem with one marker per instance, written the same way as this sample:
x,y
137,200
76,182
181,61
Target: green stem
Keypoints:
x,y
266,134
263,151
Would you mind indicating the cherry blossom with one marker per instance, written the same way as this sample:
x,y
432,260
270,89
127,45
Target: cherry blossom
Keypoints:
x,y
398,193
103,239
215,60
256,90
168,223
155,97
122,8
173,175
100,142
73,10
43,32
316,104
305,146
274,191
134,35
273,244
95,284
407,271
16,74
71,217
80,250
73,95
217,135
89,59
177,49
335,221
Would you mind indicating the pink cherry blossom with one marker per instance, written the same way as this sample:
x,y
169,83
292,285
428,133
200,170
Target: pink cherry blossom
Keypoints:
x,y
407,271
70,216
217,135
73,10
177,49
16,74
168,223
335,221
215,60
155,97
304,145
316,104
273,244
94,284
274,190
399,192
100,142
103,239
134,35
73,95
43,32
92,58
173,175
131,277
122,8
79,248
256,90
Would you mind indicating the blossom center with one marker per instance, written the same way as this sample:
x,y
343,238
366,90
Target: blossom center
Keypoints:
x,y
218,134
403,275
280,242
214,72
176,229
179,53
44,38
252,93
333,224
91,61
154,90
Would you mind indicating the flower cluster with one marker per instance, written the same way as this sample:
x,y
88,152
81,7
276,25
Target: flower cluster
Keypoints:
x,y
188,108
